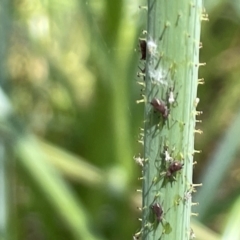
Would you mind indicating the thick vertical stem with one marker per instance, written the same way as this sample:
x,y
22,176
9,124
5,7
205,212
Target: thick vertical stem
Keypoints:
x,y
172,49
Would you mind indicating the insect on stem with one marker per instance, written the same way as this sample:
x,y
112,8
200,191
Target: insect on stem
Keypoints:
x,y
160,106
158,211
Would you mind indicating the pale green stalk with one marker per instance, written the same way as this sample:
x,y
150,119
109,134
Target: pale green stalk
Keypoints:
x,y
173,40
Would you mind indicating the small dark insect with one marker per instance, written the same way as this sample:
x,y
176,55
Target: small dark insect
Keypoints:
x,y
174,167
158,211
160,107
143,48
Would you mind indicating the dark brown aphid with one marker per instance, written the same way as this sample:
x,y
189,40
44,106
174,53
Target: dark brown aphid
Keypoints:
x,y
174,167
160,107
158,211
143,48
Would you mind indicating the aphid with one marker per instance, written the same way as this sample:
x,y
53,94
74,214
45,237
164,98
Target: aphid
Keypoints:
x,y
174,167
160,107
158,211
143,48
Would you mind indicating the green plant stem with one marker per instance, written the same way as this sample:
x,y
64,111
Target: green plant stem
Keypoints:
x,y
173,39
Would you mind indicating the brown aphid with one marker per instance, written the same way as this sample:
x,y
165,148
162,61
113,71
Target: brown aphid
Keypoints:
x,y
158,211
174,167
143,48
160,107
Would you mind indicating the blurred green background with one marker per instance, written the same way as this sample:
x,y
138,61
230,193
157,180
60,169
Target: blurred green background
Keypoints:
x,y
69,122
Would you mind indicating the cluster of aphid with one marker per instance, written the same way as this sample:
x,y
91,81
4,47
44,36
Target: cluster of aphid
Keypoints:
x,y
170,165
160,106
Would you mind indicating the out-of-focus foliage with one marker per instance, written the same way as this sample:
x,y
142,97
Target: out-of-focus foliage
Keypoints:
x,y
70,76
219,100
